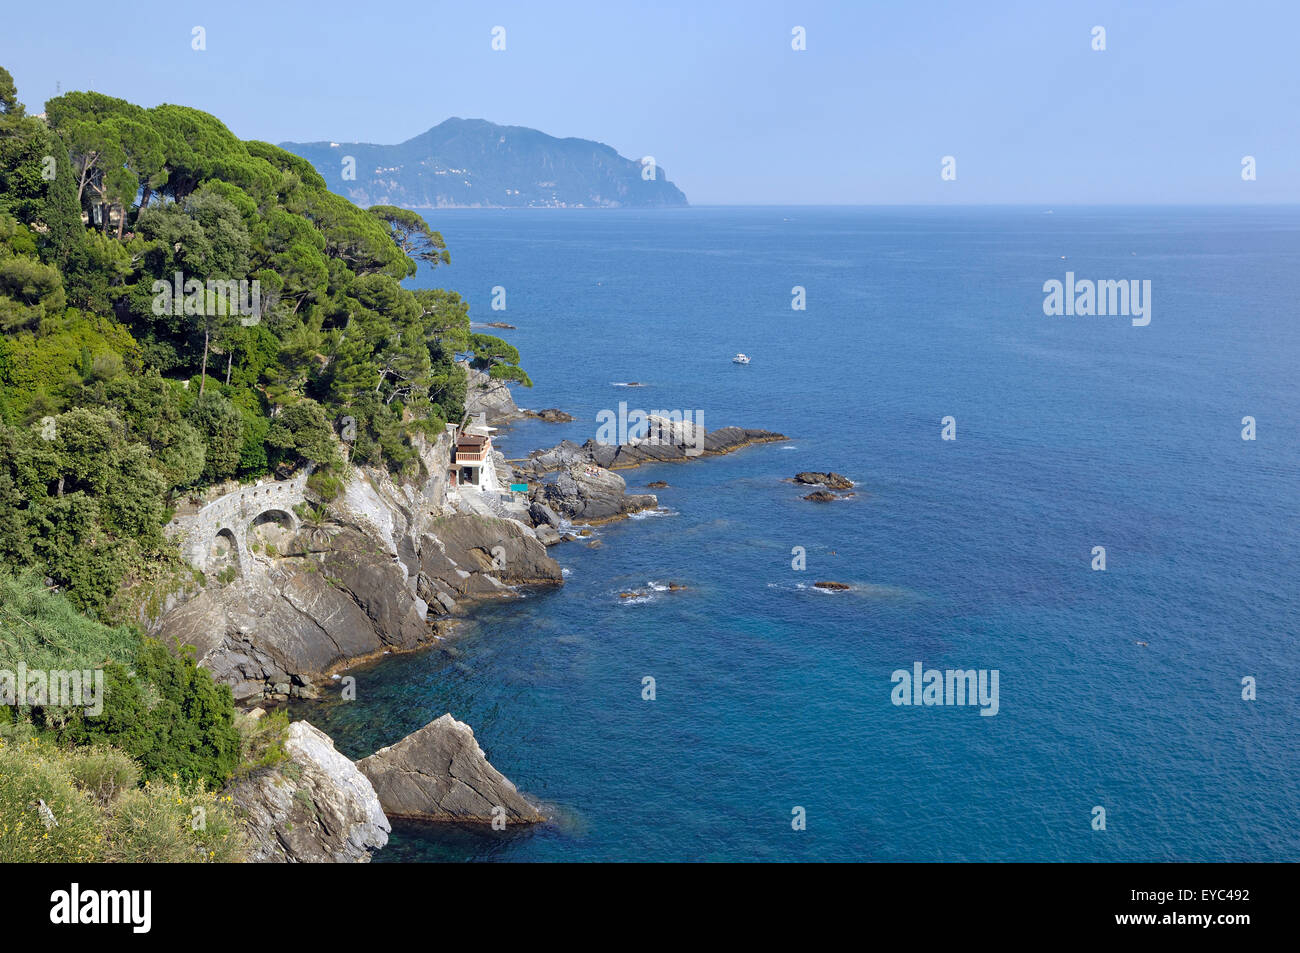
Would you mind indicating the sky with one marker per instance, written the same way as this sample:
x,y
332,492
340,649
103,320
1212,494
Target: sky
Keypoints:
x,y
1013,91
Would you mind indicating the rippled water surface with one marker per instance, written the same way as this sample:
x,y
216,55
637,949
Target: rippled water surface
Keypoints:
x,y
1073,432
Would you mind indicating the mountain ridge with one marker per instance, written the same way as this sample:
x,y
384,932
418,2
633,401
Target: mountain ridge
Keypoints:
x,y
476,163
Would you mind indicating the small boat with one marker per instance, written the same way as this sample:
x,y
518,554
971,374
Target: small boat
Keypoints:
x,y
740,359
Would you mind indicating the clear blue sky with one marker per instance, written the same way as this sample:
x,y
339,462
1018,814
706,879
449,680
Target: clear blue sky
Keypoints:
x,y
1011,88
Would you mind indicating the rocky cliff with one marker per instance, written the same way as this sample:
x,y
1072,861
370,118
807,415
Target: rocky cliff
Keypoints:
x,y
490,398
315,807
375,575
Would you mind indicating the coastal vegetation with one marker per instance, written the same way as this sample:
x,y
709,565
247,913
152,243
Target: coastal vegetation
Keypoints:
x,y
141,779
178,308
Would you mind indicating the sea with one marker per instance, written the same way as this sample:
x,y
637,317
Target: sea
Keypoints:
x,y
1147,710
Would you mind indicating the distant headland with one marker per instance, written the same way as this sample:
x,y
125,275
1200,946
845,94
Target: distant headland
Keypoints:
x,y
473,163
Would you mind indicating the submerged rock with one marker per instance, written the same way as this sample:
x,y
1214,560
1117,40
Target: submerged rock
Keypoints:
x,y
316,807
822,496
439,773
836,586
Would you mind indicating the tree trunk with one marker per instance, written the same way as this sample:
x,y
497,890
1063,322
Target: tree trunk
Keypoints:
x,y
121,222
230,358
204,371
87,166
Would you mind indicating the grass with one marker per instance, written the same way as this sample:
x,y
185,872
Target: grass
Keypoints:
x,y
261,741
95,813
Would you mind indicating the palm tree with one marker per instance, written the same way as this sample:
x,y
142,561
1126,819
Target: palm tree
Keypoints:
x,y
315,522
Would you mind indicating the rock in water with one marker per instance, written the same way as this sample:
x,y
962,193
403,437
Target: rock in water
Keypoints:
x,y
439,773
836,586
832,480
552,415
464,547
591,494
666,441
822,496
321,809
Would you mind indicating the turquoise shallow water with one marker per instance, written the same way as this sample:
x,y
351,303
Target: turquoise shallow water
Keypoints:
x,y
1073,432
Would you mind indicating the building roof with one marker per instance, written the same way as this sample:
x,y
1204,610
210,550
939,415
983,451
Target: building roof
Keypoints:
x,y
471,440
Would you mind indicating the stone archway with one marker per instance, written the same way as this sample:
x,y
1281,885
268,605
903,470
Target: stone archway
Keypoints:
x,y
272,531
224,552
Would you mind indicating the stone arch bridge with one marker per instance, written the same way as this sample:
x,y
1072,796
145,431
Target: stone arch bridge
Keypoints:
x,y
217,532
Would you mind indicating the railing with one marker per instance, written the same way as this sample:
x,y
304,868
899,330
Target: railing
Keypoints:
x,y
471,457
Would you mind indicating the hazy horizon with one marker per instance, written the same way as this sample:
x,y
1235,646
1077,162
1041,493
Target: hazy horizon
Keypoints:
x,y
1031,113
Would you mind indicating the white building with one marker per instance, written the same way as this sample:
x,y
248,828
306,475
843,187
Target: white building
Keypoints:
x,y
472,466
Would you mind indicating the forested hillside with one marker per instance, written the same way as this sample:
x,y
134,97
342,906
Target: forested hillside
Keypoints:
x,y
179,307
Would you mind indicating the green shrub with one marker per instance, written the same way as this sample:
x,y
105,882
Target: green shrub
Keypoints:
x,y
327,486
169,716
44,630
163,824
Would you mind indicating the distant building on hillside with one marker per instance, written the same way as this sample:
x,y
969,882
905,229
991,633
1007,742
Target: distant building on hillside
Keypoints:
x,y
472,466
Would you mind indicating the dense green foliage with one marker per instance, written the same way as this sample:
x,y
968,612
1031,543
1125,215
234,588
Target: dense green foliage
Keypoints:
x,y
158,706
167,714
135,366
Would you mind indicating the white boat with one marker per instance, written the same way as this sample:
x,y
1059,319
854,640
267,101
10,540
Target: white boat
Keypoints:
x,y
740,359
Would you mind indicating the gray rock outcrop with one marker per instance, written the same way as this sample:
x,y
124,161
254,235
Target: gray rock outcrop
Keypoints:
x,y
440,773
669,442
488,397
344,592
478,555
590,494
311,612
831,480
314,808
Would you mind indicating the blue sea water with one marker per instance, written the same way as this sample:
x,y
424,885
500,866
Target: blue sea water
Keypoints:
x,y
1072,432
